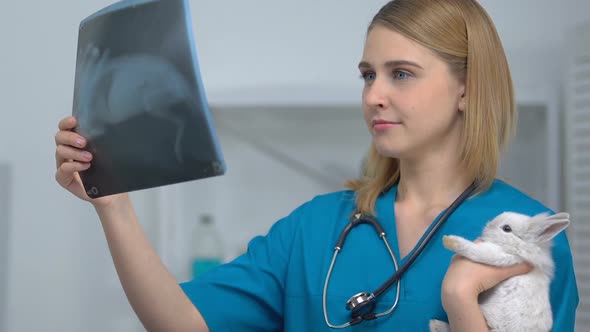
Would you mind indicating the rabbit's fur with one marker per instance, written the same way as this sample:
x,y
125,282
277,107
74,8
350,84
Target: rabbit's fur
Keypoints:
x,y
520,303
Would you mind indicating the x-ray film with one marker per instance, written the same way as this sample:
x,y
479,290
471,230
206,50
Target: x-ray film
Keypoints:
x,y
139,99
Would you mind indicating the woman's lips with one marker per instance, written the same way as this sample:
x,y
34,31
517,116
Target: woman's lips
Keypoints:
x,y
381,125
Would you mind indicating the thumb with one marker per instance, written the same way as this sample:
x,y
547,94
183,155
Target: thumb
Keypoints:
x,y
499,274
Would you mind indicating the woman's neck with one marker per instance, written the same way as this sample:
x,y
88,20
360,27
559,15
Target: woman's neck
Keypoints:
x,y
432,182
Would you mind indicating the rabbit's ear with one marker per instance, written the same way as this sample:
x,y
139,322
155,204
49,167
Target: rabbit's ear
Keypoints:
x,y
546,227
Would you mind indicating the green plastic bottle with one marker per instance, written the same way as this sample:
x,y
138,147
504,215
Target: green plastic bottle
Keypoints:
x,y
207,246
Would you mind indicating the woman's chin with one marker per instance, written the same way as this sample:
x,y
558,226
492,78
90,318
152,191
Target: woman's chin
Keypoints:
x,y
389,150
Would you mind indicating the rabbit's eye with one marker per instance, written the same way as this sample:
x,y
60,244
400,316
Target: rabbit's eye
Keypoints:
x,y
506,228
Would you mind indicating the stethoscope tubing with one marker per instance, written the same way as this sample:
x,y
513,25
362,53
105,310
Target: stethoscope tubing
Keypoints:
x,y
366,300
326,283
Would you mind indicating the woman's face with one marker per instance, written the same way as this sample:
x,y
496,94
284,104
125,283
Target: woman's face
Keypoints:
x,y
411,102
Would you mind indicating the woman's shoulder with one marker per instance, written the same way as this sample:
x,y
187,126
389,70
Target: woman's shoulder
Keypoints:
x,y
503,196
316,216
323,210
335,197
499,198
334,202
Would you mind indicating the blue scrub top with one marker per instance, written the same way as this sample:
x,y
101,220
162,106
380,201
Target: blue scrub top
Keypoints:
x,y
277,285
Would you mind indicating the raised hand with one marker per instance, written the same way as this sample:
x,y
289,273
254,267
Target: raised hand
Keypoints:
x,y
71,158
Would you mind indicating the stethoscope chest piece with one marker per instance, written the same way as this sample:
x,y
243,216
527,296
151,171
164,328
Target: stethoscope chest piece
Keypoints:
x,y
357,301
362,307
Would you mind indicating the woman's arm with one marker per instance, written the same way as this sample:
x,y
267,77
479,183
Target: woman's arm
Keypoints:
x,y
152,291
463,283
464,313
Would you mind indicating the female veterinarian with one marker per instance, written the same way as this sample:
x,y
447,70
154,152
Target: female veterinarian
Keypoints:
x,y
438,102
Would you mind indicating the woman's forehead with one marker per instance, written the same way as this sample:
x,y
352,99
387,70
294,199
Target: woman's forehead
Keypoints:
x,y
384,45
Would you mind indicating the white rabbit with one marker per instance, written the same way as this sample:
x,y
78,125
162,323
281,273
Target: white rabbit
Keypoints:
x,y
520,303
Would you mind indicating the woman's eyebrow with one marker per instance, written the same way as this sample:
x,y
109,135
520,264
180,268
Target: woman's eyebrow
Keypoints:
x,y
391,63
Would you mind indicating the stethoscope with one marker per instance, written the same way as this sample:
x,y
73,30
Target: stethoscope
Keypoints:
x,y
362,305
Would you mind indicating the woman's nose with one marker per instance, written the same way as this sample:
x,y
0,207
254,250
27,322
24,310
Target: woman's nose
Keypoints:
x,y
376,93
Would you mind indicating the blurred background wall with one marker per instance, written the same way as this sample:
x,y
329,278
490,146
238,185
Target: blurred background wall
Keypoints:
x,y
270,68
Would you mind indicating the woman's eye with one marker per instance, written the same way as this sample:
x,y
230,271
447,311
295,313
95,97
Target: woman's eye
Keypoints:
x,y
400,75
368,76
506,228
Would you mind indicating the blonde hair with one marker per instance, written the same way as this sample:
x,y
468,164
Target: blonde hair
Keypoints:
x,y
462,34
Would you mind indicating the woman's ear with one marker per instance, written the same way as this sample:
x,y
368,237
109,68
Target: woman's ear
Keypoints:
x,y
462,98
462,104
